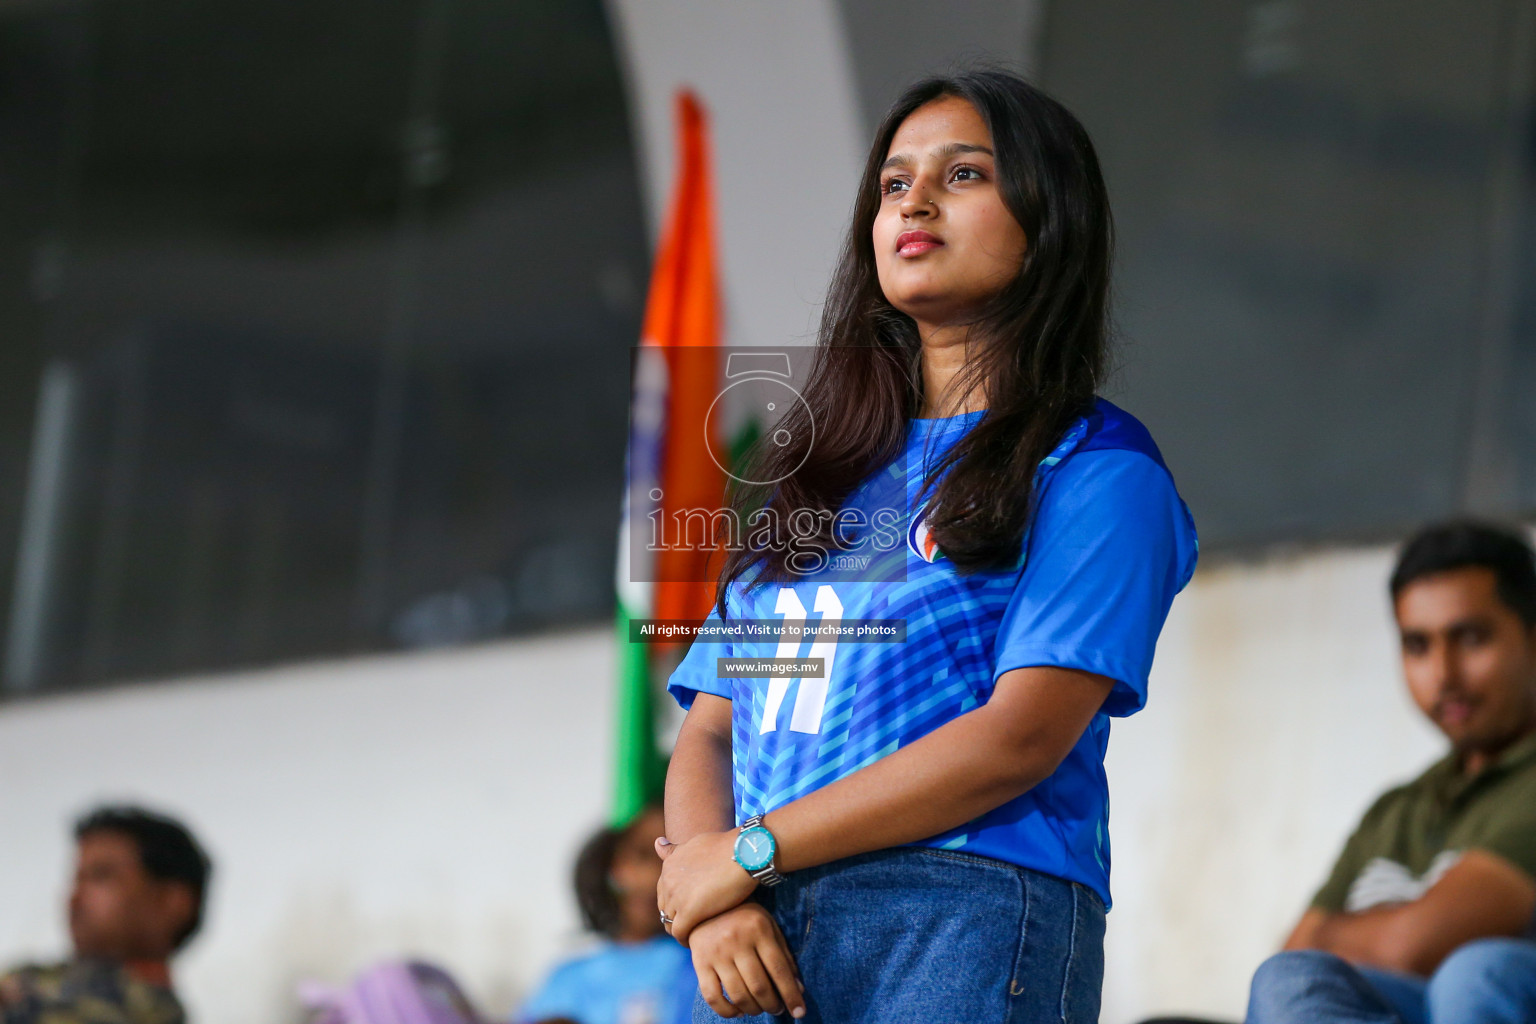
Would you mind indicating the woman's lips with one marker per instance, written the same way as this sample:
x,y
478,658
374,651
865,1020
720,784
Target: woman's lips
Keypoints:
x,y
915,243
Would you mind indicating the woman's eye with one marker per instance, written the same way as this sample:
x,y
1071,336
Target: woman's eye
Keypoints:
x,y
970,174
894,185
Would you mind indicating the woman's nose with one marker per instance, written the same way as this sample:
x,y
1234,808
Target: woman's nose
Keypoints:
x,y
918,203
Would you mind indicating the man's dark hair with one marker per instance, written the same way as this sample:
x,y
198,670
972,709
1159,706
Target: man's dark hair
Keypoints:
x,y
594,892
595,897
167,850
1466,544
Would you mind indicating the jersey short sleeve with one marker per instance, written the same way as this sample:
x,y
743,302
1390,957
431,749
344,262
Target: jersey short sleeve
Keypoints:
x,y
1110,546
698,672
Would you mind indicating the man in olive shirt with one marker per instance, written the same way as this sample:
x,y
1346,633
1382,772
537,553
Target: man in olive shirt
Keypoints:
x,y
137,898
1419,922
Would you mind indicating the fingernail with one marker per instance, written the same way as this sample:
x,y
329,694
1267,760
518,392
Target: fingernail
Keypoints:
x,y
798,1011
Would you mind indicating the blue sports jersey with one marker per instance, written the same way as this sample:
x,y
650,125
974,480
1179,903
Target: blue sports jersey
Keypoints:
x,y
650,982
1109,546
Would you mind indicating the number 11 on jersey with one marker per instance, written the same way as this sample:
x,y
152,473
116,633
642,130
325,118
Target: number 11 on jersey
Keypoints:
x,y
811,699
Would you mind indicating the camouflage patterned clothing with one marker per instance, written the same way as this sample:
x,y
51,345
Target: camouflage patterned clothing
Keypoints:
x,y
84,992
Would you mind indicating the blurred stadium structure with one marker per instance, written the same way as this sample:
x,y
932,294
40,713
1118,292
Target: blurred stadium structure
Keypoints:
x,y
314,330
293,291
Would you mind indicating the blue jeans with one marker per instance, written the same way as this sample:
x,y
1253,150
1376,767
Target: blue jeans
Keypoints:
x,y
1489,981
913,934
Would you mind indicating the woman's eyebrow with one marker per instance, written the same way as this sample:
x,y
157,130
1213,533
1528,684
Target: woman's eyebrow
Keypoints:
x,y
950,149
944,152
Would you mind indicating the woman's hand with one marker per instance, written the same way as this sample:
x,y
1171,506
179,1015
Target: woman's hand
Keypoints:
x,y
699,880
744,965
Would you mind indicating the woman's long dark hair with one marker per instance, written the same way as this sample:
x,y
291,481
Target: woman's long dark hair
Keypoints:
x,y
1042,352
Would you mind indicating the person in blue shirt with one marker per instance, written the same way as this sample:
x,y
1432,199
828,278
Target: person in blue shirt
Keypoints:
x,y
917,830
638,975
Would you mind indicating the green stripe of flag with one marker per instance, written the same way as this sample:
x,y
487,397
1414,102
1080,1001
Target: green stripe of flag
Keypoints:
x,y
639,769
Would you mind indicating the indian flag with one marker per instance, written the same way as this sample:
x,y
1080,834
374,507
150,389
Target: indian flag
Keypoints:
x,y
669,466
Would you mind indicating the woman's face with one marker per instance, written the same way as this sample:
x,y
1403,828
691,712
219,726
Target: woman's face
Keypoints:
x,y
944,241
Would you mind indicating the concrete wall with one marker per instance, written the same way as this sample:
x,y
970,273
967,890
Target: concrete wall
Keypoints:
x,y
788,143
427,804
1277,713
896,42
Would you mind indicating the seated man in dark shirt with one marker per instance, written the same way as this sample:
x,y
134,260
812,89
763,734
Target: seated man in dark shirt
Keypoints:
x,y
1419,920
137,898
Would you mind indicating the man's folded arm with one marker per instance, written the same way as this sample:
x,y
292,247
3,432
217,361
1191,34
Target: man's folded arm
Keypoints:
x,y
1482,896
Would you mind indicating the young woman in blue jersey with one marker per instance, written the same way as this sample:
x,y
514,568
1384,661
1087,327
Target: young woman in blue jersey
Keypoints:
x,y
926,825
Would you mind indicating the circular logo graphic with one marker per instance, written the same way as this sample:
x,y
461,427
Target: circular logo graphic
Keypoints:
x,y
768,400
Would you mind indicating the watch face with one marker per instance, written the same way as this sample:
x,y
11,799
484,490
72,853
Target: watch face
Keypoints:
x,y
754,849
